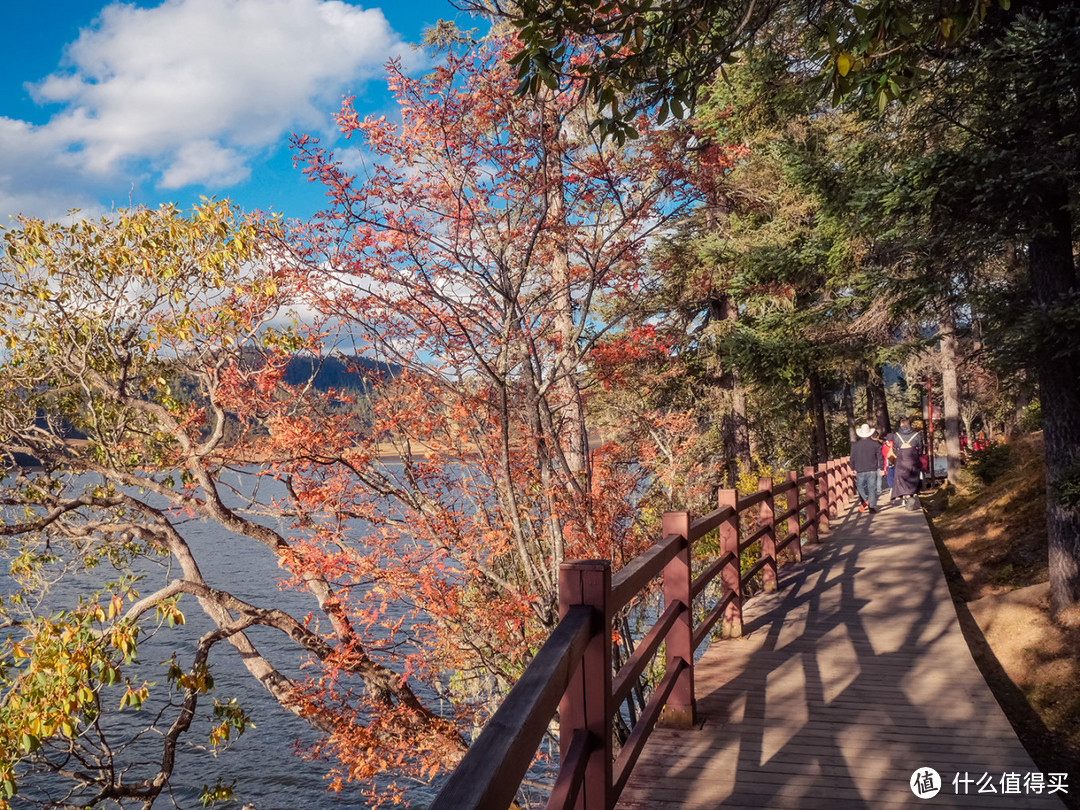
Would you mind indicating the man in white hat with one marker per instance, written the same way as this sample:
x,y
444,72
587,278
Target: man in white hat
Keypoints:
x,y
866,461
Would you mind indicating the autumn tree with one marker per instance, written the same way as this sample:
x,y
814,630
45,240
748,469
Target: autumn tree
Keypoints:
x,y
107,469
476,254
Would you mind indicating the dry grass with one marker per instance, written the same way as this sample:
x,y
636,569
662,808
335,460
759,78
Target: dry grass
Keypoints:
x,y
997,532
996,536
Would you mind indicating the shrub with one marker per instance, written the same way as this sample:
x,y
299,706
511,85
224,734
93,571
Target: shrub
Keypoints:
x,y
990,464
1031,419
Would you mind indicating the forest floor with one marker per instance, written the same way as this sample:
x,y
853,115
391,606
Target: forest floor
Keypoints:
x,y
991,533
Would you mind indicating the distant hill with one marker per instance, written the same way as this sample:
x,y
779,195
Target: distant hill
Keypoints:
x,y
352,373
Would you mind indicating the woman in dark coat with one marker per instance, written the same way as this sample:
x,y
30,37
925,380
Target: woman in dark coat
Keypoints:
x,y
907,445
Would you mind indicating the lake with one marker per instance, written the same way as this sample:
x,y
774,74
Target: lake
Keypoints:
x,y
266,772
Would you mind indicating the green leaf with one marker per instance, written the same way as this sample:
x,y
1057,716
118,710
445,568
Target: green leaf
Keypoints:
x,y
662,113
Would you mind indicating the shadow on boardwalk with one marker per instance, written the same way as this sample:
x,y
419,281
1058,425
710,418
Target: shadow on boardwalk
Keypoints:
x,y
851,677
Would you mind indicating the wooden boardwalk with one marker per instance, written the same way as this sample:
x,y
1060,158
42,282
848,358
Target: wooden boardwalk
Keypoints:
x,y
851,677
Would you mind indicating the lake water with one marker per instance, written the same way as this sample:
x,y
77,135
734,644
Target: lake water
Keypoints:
x,y
266,772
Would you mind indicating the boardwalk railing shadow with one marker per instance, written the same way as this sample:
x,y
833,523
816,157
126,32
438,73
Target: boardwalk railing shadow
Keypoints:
x,y
849,679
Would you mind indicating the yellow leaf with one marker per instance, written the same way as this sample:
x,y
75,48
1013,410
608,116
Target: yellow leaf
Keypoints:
x,y
843,64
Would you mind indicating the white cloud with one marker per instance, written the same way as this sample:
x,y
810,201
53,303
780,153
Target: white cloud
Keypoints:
x,y
193,90
196,160
33,177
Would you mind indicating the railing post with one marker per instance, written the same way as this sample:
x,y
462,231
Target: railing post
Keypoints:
x,y
586,702
823,497
833,486
679,709
849,478
731,624
792,478
812,506
768,540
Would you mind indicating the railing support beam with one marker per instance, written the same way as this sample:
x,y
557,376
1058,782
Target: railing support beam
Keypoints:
x,y
823,497
731,624
812,505
766,513
679,712
793,526
586,702
834,488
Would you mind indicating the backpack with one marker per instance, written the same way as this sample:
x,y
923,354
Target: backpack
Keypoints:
x,y
905,444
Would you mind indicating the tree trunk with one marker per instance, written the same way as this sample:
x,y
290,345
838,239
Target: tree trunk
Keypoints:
x,y
849,411
568,407
868,390
1054,282
950,395
734,425
817,411
740,426
1024,397
877,406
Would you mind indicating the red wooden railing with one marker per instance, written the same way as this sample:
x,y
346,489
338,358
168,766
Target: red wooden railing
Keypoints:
x,y
572,671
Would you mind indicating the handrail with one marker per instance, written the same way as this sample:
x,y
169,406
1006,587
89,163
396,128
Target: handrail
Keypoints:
x,y
752,500
641,570
573,670
703,525
514,732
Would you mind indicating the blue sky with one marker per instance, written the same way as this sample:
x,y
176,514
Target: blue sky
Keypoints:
x,y
106,104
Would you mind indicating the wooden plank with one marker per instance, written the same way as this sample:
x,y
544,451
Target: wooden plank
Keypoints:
x,y
638,738
752,500
846,681
701,632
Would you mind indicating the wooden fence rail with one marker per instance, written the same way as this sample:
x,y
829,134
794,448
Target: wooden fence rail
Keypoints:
x,y
572,672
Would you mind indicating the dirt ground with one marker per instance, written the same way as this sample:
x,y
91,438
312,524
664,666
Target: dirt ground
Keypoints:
x,y
993,542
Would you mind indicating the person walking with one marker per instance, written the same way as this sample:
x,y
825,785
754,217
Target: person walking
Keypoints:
x,y
889,458
866,461
907,445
